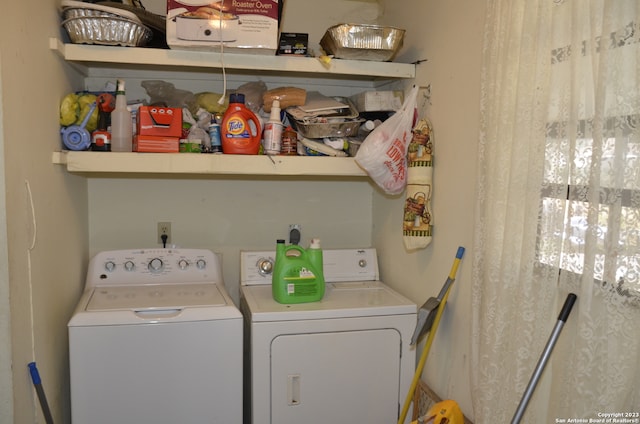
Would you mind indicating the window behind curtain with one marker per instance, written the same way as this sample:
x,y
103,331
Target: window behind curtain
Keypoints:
x,y
591,192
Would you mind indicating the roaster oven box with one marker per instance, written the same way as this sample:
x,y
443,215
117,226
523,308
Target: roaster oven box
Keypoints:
x,y
159,121
240,26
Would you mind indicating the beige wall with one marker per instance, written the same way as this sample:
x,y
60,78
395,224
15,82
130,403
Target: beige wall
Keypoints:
x,y
227,215
6,379
46,211
449,36
76,216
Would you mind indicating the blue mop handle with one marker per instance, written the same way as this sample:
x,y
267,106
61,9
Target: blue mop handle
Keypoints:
x,y
37,383
35,375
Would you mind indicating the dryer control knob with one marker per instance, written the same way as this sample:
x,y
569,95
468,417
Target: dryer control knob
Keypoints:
x,y
110,266
183,263
201,264
265,266
129,266
155,265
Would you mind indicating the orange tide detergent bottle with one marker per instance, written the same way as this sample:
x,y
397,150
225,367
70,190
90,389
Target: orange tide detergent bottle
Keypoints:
x,y
240,129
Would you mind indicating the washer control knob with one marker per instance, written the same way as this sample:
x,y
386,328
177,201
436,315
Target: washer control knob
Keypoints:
x,y
129,266
201,264
110,266
265,266
155,265
183,263
362,263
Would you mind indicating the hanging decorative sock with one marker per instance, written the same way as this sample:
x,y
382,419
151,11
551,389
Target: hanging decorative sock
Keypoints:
x,y
417,220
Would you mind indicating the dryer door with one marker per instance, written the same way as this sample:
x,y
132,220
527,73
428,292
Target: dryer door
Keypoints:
x,y
341,377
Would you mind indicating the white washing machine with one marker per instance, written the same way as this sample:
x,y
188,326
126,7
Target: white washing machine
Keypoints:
x,y
156,339
344,359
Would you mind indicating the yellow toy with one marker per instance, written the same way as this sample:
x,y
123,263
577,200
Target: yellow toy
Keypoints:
x,y
75,106
444,412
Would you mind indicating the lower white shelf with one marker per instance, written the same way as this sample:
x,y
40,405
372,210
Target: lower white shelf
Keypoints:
x,y
86,162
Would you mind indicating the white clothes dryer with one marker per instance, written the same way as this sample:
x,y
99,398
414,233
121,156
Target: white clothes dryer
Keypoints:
x,y
155,339
344,359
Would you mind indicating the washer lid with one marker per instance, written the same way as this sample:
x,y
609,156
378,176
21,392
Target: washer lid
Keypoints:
x,y
341,300
152,297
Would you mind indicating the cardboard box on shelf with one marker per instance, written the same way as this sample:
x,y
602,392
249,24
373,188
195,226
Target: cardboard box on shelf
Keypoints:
x,y
240,26
155,144
378,101
292,43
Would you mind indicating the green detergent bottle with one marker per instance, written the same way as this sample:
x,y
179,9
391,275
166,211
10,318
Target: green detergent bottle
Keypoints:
x,y
297,273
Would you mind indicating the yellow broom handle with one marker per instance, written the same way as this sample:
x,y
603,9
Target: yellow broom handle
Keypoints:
x,y
423,358
427,346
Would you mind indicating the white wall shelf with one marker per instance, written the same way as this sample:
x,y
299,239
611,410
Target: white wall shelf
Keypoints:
x,y
94,163
139,57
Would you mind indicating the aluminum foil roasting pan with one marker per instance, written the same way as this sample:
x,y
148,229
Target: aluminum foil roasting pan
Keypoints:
x,y
362,42
78,9
343,124
107,30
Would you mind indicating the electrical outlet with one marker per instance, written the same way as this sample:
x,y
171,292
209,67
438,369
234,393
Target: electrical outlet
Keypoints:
x,y
164,228
295,233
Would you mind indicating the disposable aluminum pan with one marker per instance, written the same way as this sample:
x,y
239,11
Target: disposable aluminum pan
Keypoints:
x,y
345,125
112,31
363,42
76,9
78,12
329,129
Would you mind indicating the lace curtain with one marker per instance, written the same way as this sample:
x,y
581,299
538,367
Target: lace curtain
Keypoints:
x,y
558,210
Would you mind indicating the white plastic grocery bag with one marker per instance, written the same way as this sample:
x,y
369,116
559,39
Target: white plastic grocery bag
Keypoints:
x,y
383,154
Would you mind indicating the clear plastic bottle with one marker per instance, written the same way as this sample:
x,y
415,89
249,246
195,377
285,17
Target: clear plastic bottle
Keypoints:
x,y
272,135
121,123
